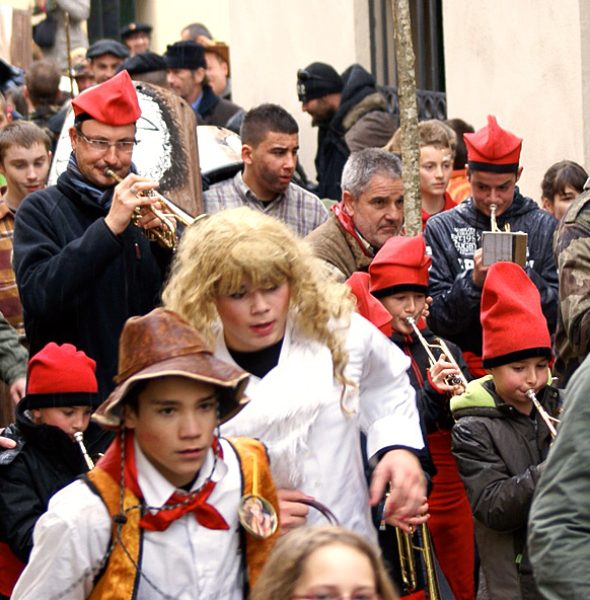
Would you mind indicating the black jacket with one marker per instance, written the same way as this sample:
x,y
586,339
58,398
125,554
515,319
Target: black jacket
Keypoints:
x,y
433,407
79,282
499,451
44,461
453,236
333,150
214,110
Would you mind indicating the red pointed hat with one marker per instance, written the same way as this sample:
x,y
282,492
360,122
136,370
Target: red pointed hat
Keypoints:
x,y
367,305
113,102
493,149
510,300
400,265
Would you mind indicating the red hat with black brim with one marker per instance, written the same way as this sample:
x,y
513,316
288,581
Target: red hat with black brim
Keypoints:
x,y
509,298
493,149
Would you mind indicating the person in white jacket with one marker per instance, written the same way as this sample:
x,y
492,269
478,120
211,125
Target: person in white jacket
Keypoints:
x,y
321,374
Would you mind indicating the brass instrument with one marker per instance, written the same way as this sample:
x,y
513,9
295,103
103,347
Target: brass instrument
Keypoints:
x,y
547,418
166,235
493,222
421,541
408,569
455,379
79,438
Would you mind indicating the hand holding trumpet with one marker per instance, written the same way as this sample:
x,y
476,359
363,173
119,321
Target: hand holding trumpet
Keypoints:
x,y
130,194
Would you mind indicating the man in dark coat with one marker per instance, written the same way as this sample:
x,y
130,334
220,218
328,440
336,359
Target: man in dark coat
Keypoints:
x,y
350,114
187,78
81,267
454,237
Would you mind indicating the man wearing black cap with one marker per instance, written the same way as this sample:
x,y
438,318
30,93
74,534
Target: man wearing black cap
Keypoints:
x,y
350,113
187,78
105,56
137,37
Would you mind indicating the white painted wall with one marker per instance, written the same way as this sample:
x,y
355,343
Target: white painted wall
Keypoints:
x,y
522,60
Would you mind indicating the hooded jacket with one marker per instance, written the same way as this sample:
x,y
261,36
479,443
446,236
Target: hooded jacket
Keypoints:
x,y
361,121
500,453
453,236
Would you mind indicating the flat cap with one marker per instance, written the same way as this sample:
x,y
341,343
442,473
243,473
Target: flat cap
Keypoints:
x,y
135,27
107,47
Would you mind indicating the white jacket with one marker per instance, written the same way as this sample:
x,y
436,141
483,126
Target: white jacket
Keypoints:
x,y
313,432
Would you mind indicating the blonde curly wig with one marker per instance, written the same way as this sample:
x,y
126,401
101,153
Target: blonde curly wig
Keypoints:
x,y
218,253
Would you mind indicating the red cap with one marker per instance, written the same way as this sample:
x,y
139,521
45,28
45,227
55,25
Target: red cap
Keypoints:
x,y
367,305
113,102
493,149
61,376
400,265
508,300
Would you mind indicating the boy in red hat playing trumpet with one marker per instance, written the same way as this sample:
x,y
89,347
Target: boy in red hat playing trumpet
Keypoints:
x,y
160,514
61,394
396,287
501,438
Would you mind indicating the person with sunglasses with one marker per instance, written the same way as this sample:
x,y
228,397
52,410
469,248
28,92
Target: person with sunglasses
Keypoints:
x,y
82,266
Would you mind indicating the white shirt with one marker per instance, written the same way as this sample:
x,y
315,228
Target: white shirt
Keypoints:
x,y
187,561
314,444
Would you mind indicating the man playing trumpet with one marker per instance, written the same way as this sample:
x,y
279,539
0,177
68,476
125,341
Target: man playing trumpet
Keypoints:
x,y
81,267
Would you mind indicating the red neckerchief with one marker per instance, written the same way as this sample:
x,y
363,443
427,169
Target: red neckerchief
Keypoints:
x,y
206,514
346,223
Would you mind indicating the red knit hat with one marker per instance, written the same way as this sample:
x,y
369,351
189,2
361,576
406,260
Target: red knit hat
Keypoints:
x,y
367,305
61,376
400,265
113,102
493,149
509,300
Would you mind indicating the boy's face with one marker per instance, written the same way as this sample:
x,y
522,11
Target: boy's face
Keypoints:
x,y
514,379
175,425
403,305
70,419
25,169
436,168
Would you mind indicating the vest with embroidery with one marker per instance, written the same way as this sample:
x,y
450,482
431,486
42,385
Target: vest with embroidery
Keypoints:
x,y
120,579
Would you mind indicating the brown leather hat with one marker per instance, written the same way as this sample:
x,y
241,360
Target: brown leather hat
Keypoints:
x,y
162,343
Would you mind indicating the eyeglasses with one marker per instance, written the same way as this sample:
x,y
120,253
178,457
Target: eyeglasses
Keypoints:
x,y
102,146
338,596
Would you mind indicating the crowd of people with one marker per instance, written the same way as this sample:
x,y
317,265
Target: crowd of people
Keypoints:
x,y
184,412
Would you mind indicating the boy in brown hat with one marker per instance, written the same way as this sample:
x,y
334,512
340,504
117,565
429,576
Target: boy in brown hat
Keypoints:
x,y
158,516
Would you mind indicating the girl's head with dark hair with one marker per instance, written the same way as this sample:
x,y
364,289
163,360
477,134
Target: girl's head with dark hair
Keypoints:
x,y
562,182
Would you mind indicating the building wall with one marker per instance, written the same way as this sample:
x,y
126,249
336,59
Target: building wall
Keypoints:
x,y
526,63
269,40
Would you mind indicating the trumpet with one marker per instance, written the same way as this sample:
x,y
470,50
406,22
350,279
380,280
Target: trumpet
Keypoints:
x,y
166,235
407,560
547,418
79,438
494,223
455,379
